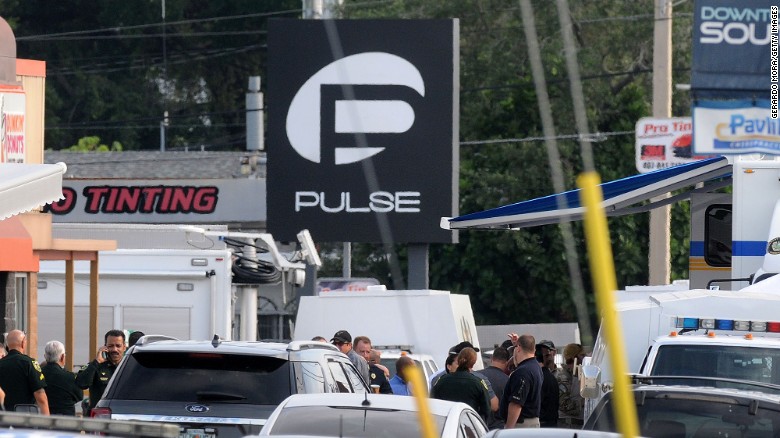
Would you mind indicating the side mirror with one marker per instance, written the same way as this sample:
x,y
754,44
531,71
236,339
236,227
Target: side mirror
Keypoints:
x,y
589,381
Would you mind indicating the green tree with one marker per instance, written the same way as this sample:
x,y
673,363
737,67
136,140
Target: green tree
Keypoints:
x,y
521,276
113,68
93,144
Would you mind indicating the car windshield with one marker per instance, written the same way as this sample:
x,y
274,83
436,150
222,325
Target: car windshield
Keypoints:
x,y
349,422
756,364
692,416
204,377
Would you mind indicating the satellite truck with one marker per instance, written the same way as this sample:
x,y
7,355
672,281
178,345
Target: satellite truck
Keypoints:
x,y
177,280
727,324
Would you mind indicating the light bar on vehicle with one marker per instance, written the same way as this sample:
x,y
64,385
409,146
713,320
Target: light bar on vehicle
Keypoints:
x,y
693,323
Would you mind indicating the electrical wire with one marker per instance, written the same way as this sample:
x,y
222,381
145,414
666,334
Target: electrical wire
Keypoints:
x,y
263,273
240,243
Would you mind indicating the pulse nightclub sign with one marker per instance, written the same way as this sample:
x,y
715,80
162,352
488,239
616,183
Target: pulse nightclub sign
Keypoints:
x,y
363,129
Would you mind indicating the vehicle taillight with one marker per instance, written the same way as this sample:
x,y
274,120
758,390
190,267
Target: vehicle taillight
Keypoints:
x,y
100,413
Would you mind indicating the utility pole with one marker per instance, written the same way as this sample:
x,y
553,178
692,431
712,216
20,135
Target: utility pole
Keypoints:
x,y
660,218
164,122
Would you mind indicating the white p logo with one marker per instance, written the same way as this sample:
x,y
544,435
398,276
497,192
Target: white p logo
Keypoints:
x,y
353,116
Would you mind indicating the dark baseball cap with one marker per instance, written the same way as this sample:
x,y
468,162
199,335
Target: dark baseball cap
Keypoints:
x,y
342,336
546,344
456,349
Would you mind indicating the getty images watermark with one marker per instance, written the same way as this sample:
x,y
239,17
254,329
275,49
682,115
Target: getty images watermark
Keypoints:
x,y
773,74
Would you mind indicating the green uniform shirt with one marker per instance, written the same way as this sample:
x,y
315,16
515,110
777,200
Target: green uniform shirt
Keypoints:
x,y
95,376
61,390
462,386
20,377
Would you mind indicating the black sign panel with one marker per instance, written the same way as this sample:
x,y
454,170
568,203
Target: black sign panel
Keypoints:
x,y
731,48
362,129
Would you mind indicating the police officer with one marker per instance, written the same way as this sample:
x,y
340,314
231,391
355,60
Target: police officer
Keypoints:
x,y
464,386
522,398
571,404
375,372
61,389
97,373
21,377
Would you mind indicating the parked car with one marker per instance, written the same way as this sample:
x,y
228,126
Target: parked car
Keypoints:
x,y
369,415
695,411
220,388
550,433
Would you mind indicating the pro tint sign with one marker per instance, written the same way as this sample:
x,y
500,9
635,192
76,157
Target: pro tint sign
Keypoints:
x,y
363,129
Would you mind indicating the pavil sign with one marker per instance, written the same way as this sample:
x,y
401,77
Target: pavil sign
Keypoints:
x,y
363,129
736,127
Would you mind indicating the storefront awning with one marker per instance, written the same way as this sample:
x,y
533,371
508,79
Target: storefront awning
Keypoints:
x,y
24,187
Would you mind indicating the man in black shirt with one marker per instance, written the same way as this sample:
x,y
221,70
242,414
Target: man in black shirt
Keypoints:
x,y
548,416
496,375
61,389
21,377
375,372
97,373
522,399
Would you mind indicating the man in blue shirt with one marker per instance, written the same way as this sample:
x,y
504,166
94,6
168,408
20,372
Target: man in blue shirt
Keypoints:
x,y
399,382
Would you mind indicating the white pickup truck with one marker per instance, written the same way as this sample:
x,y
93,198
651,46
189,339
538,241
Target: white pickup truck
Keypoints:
x,y
700,333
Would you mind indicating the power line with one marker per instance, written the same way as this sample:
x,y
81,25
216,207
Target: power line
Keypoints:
x,y
596,136
155,35
116,29
141,63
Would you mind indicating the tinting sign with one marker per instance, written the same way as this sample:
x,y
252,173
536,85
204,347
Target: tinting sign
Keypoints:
x,y
362,129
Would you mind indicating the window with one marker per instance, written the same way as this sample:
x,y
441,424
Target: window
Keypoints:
x,y
696,415
20,309
354,378
190,376
350,421
339,377
717,235
310,378
479,425
466,427
746,363
429,370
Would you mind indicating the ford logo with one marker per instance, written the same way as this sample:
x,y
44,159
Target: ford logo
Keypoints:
x,y
197,408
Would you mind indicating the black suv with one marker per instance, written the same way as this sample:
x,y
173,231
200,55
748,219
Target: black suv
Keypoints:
x,y
220,388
